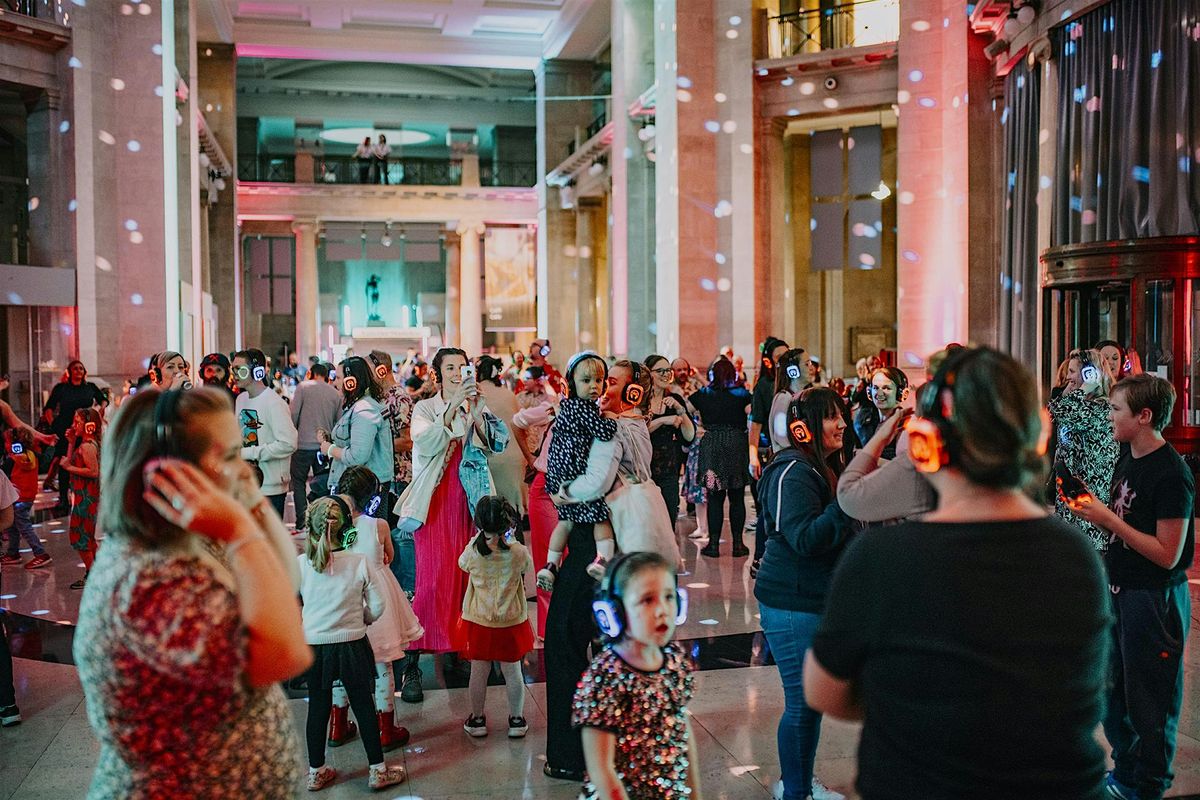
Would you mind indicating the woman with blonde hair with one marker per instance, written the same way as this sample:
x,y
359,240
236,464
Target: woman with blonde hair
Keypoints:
x,y
189,619
1086,448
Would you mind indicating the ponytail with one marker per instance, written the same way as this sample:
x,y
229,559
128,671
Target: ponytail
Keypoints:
x,y
320,513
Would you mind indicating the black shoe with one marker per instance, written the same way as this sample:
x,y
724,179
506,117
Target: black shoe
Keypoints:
x,y
754,567
562,774
740,551
60,511
711,551
410,690
79,584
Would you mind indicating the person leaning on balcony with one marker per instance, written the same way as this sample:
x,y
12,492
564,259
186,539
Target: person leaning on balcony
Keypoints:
x,y
364,155
380,153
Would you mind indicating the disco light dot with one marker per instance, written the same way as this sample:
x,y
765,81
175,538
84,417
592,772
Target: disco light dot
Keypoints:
x,y
7,596
731,34
1088,217
41,612
793,112
1043,136
106,137
117,84
64,126
729,126
627,153
158,91
79,3
34,203
762,71
156,48
570,251
683,82
683,95
1155,59
712,126
911,255
136,299
723,209
916,76
702,622
788,81
903,96
719,258
720,97
136,237
927,102
144,9
131,225
74,63
920,25
830,102
72,205
746,148
707,284
866,261
1065,15
735,20
126,9
103,264
812,224
1044,182
15,299
697,586
133,145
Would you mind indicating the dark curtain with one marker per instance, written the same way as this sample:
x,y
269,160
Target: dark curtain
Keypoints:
x,y
1018,248
1128,122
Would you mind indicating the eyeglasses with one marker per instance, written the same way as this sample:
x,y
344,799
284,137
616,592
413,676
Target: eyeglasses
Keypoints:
x,y
662,372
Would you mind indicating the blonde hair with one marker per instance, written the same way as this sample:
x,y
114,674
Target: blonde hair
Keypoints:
x,y
320,513
1093,358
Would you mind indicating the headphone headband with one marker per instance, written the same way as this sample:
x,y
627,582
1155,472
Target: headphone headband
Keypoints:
x,y
609,606
166,415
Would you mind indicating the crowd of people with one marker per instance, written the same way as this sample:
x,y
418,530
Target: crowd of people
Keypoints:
x,y
980,578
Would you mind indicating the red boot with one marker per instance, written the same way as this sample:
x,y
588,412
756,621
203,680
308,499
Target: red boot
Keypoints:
x,y
391,735
341,729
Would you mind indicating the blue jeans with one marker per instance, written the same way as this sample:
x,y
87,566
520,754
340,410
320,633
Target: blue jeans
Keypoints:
x,y
790,634
404,562
1146,693
22,528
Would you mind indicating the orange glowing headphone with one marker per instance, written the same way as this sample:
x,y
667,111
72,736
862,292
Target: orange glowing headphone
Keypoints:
x,y
933,442
799,431
632,393
381,369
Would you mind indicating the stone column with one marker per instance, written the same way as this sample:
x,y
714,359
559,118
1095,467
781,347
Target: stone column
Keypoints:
x,y
585,254
634,288
470,290
51,183
453,293
306,287
217,65
560,125
932,158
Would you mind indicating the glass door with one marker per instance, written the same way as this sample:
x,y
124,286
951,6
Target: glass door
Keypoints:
x,y
1080,315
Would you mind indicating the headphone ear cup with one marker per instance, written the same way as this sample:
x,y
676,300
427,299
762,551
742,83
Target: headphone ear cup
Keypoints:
x,y
608,618
632,394
682,609
927,447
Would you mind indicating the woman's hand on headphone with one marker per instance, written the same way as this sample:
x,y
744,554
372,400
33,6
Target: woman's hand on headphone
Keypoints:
x,y
186,497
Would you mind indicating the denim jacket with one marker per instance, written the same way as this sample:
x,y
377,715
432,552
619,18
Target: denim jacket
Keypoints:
x,y
432,440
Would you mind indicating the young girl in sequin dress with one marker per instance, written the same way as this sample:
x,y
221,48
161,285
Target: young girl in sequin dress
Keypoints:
x,y
640,675
82,462
577,424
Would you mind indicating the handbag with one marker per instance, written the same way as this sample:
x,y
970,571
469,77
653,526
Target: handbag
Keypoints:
x,y
639,514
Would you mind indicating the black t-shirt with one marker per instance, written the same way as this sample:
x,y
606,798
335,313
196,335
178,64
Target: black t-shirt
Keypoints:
x,y
760,405
980,654
722,408
1156,486
66,398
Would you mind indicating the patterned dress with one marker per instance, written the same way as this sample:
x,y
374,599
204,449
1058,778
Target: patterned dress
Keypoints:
x,y
162,653
646,711
577,424
1087,447
85,504
398,407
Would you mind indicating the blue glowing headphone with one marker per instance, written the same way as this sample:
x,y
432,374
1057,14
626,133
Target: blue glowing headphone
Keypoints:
x,y
609,608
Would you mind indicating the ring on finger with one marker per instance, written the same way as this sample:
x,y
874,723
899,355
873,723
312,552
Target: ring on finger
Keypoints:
x,y
178,503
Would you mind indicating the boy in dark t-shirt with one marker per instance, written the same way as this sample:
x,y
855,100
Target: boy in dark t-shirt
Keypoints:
x,y
1152,544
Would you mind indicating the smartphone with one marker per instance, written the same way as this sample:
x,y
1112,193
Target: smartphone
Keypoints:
x,y
1069,486
467,371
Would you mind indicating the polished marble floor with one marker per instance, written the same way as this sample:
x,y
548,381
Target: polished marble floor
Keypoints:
x,y
736,707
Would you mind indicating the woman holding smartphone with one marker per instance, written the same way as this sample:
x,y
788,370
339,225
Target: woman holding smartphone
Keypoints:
x,y
452,433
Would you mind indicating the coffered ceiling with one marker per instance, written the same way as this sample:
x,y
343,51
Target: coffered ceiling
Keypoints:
x,y
513,34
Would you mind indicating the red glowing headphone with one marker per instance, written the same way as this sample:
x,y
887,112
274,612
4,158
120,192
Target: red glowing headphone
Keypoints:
x,y
799,431
632,393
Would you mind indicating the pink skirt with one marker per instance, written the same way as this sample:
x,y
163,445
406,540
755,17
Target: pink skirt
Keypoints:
x,y
438,544
476,642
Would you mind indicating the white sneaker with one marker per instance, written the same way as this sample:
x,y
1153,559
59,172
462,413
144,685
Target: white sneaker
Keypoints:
x,y
752,523
822,792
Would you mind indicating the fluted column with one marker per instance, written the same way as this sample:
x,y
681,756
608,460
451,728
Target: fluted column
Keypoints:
x,y
307,289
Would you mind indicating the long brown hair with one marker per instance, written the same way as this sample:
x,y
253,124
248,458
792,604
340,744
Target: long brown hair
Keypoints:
x,y
813,406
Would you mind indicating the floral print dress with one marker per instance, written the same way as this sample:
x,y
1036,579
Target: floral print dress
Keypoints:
x,y
1087,447
162,652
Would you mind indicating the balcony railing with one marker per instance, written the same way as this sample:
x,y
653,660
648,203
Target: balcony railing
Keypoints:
x,y
400,171
834,26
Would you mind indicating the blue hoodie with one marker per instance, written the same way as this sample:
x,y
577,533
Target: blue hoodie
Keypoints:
x,y
806,534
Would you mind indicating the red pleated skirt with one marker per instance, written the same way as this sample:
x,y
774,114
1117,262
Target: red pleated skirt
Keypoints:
x,y
476,642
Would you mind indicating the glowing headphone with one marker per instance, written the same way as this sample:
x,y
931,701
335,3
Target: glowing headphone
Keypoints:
x,y
381,369
348,532
349,382
17,448
543,350
89,428
799,431
374,499
632,393
933,442
609,609
793,372
1088,371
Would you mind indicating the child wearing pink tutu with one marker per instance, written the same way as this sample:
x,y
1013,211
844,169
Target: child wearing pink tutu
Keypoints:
x,y
398,625
495,618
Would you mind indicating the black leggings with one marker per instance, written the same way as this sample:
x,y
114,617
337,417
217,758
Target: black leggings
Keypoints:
x,y
716,514
669,486
362,702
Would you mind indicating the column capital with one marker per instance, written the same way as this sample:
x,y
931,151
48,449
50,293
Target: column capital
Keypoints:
x,y
302,226
467,226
